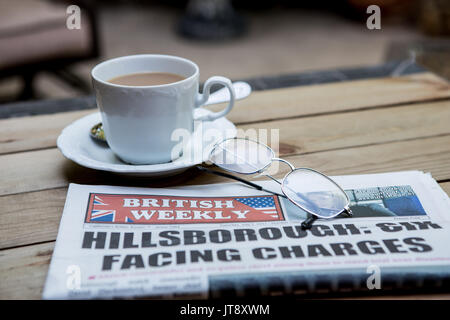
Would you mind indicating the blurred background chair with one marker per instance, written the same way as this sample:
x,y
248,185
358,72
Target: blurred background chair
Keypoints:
x,y
237,39
41,41
211,20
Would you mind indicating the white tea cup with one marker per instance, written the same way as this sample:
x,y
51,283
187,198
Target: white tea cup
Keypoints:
x,y
138,121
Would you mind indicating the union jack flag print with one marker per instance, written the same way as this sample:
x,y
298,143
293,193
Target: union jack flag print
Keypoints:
x,y
101,215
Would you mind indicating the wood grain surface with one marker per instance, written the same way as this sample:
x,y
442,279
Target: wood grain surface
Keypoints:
x,y
356,127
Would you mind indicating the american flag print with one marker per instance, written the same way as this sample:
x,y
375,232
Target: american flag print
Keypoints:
x,y
264,204
158,209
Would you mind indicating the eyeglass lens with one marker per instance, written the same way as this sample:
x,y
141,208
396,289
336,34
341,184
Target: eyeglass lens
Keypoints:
x,y
241,156
314,192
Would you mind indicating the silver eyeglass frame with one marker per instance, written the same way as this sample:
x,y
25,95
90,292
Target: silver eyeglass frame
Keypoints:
x,y
346,208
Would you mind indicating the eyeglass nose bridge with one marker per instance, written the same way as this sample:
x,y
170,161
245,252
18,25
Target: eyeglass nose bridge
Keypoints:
x,y
285,162
280,160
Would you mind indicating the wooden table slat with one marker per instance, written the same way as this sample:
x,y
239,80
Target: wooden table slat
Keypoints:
x,y
37,132
327,132
24,270
306,135
339,97
446,187
430,155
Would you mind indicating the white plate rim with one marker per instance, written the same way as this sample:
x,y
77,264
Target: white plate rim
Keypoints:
x,y
68,147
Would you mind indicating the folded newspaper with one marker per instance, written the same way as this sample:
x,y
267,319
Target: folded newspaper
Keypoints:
x,y
230,239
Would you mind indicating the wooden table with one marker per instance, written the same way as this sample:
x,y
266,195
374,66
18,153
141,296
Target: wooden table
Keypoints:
x,y
353,127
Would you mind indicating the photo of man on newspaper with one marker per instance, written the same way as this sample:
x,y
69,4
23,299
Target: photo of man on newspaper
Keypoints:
x,y
388,201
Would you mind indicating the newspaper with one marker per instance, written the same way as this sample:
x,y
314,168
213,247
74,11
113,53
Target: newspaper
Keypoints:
x,y
197,241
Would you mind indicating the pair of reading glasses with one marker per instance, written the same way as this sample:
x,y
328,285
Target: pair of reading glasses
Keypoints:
x,y
310,190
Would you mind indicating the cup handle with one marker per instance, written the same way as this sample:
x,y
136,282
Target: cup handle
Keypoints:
x,y
203,97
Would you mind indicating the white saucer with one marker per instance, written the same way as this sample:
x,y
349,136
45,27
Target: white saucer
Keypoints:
x,y
76,144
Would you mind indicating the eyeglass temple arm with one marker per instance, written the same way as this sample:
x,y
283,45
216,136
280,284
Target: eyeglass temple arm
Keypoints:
x,y
307,224
348,211
230,176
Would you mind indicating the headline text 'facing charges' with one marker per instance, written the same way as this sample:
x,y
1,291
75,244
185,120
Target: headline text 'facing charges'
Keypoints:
x,y
176,238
